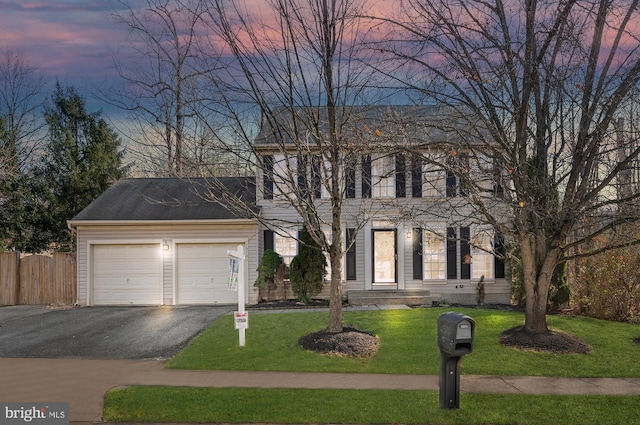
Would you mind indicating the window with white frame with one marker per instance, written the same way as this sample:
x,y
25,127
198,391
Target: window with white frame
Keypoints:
x,y
482,253
434,254
434,181
286,245
285,175
383,180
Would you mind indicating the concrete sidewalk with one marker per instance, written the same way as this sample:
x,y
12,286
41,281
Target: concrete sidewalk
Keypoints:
x,y
83,383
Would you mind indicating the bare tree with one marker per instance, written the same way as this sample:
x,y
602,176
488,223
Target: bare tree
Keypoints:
x,y
293,77
540,86
21,134
21,98
163,90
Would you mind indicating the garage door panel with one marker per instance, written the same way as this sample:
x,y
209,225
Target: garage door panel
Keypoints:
x,y
127,274
203,274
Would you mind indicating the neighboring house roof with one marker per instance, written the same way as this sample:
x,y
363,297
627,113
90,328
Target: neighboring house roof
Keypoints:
x,y
383,123
166,199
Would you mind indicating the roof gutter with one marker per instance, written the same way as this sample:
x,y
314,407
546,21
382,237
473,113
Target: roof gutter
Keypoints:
x,y
74,224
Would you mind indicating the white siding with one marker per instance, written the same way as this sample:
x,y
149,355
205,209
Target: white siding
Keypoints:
x,y
169,234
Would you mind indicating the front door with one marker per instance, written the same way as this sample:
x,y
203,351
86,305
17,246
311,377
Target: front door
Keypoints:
x,y
384,257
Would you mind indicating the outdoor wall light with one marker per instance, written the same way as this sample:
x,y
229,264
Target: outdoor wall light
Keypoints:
x,y
165,246
409,234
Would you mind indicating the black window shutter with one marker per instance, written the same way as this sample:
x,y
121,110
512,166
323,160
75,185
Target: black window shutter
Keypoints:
x,y
498,260
366,176
416,177
463,182
267,178
351,255
401,177
451,184
302,175
316,171
350,180
465,253
268,239
417,254
452,264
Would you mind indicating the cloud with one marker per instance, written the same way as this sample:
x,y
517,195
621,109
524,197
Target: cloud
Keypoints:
x,y
63,38
74,6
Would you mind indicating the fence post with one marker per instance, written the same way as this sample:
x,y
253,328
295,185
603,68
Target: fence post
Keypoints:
x,y
9,277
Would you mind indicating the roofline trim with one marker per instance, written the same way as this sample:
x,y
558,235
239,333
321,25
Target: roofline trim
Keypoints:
x,y
77,223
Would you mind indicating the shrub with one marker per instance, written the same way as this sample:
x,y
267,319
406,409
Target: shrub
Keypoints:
x,y
307,269
267,268
608,285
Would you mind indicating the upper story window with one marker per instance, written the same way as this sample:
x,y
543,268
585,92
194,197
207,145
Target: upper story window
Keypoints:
x,y
284,176
435,178
457,174
383,177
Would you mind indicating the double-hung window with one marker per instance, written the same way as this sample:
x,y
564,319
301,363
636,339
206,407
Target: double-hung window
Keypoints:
x,y
285,176
383,177
434,254
456,253
482,253
285,244
434,177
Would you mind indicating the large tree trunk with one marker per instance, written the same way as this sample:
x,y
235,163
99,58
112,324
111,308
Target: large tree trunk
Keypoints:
x,y
538,264
335,256
335,300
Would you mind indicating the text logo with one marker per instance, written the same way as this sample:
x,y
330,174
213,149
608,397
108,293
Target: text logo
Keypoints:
x,y
34,413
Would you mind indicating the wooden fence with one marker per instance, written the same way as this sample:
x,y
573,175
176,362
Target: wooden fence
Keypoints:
x,y
37,279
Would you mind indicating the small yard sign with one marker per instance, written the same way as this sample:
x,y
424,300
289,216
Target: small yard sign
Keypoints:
x,y
234,265
242,320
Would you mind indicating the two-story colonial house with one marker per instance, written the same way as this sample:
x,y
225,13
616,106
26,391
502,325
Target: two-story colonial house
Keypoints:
x,y
408,228
404,182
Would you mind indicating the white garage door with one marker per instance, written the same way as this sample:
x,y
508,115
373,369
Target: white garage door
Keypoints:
x,y
203,274
127,274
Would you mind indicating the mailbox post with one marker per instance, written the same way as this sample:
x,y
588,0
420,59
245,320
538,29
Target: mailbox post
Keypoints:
x,y
455,339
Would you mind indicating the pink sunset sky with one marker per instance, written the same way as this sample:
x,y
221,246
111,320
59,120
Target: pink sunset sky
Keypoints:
x,y
65,39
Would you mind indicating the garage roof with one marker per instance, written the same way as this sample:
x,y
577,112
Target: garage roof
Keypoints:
x,y
148,199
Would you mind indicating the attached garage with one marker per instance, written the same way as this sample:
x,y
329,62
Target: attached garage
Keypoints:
x,y
202,273
164,242
126,274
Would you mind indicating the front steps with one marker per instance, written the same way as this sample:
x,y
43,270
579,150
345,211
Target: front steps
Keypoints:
x,y
411,297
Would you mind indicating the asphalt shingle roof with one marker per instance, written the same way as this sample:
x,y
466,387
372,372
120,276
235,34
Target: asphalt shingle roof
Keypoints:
x,y
148,199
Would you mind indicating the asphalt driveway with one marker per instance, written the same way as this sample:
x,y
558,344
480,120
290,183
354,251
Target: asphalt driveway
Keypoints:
x,y
102,332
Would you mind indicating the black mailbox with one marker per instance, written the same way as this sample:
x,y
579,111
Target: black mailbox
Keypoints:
x,y
455,333
455,339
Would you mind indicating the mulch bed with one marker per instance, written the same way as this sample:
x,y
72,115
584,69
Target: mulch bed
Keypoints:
x,y
549,342
350,342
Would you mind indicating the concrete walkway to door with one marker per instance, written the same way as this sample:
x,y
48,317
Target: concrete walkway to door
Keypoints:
x,y
83,382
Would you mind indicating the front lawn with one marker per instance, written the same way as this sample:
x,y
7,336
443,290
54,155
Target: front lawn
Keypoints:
x,y
408,345
301,406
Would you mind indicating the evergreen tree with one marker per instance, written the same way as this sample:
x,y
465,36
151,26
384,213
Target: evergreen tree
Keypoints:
x,y
82,159
307,268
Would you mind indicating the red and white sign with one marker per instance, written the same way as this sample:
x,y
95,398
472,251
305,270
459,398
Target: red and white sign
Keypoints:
x,y
241,319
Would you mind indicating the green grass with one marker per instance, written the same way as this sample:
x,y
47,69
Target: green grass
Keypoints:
x,y
300,406
408,345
